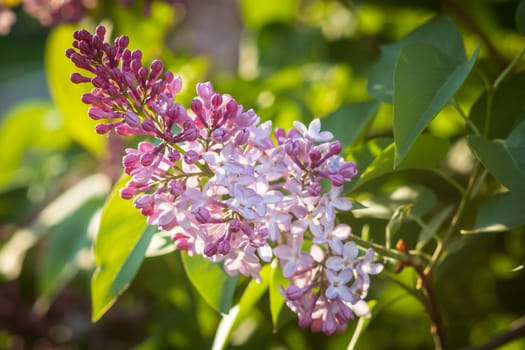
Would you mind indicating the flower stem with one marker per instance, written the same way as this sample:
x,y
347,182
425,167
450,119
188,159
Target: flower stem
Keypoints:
x,y
379,249
437,328
507,70
469,122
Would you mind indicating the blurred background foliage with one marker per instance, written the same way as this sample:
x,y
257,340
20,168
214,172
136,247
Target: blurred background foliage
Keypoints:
x,y
289,60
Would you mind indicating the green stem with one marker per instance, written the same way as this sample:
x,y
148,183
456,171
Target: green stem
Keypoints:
x,y
488,112
388,238
456,220
412,291
469,122
357,333
203,167
379,249
509,68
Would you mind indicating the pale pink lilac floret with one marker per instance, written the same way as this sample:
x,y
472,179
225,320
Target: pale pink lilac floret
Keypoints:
x,y
226,190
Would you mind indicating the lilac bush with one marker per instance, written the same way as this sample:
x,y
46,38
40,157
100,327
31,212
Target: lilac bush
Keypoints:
x,y
228,188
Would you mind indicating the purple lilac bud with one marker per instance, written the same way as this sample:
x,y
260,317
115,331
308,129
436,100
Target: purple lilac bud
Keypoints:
x,y
335,148
132,119
205,90
242,137
175,187
220,135
191,157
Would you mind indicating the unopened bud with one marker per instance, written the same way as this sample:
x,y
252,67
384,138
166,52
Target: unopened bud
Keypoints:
x,y
335,147
191,157
132,119
315,156
220,135
102,129
216,100
127,193
205,90
146,159
78,78
242,137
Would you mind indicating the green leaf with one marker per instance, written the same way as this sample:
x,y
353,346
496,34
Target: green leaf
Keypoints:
x,y
440,32
211,281
349,121
67,95
120,246
503,159
251,295
425,79
501,212
383,205
520,17
276,298
161,244
258,13
427,151
508,108
365,154
61,260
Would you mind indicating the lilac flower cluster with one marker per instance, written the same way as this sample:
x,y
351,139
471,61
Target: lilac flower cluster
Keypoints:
x,y
226,187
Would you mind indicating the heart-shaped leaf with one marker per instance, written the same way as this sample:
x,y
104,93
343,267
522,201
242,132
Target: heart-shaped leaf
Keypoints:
x,y
425,79
428,151
502,212
440,32
505,159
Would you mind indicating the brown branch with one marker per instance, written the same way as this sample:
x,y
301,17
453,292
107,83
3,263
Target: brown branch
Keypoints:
x,y
437,328
516,330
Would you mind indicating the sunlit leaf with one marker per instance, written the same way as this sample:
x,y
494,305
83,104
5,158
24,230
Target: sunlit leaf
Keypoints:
x,y
161,244
349,121
253,293
440,32
211,281
276,298
427,152
501,212
120,246
503,158
67,95
425,79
